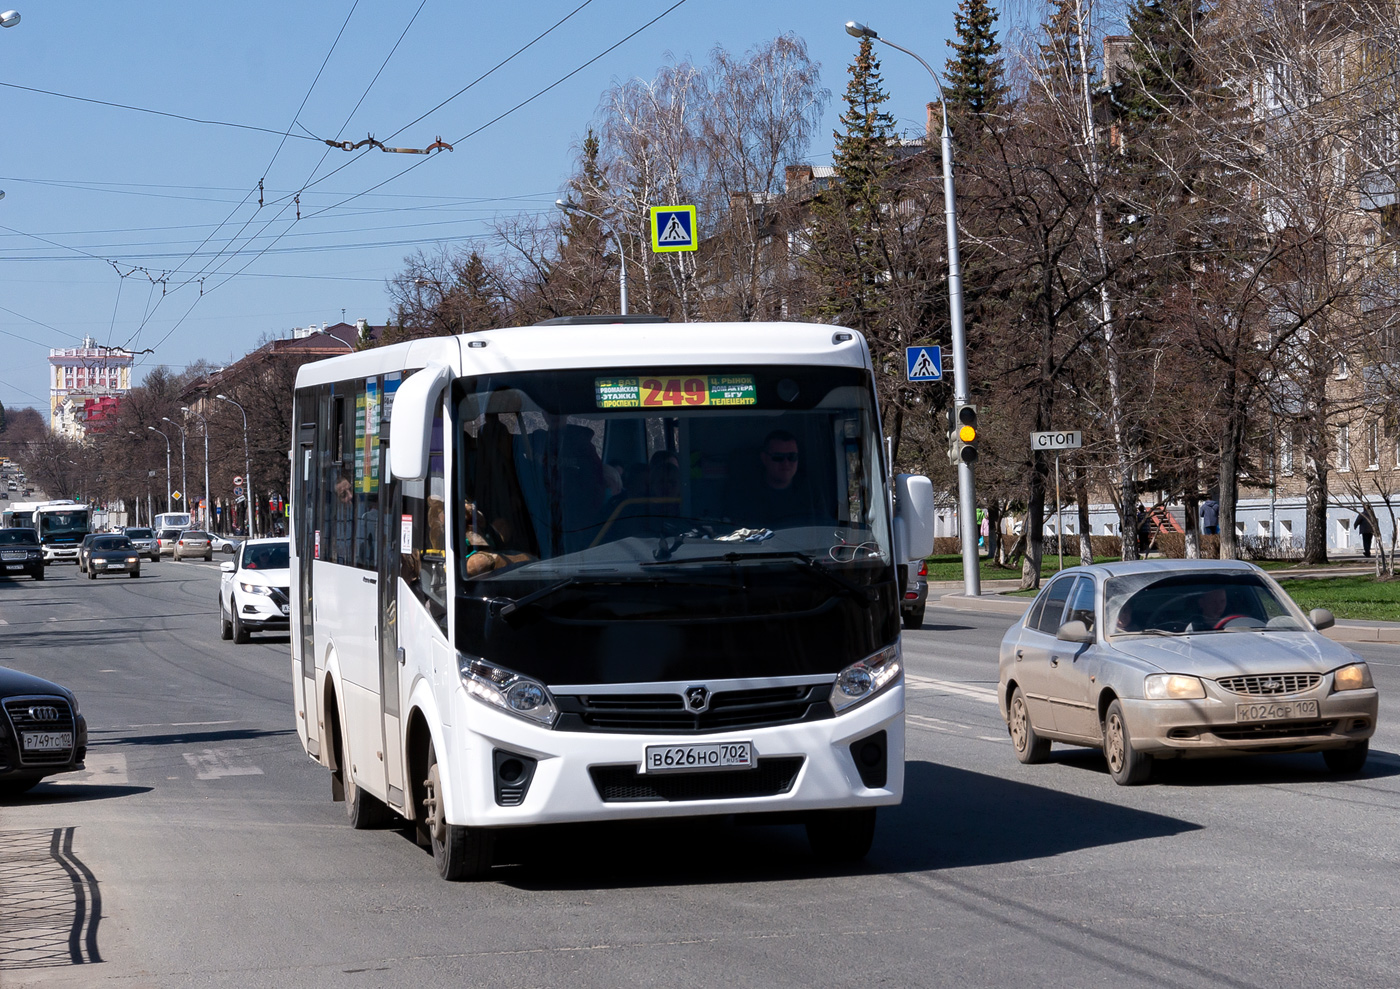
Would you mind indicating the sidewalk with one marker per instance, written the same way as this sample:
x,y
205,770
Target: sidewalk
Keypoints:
x,y
994,601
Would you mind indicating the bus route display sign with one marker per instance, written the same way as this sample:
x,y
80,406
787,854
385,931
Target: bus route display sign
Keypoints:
x,y
675,391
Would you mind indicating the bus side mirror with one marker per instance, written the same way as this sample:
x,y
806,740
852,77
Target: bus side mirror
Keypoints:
x,y
913,517
411,429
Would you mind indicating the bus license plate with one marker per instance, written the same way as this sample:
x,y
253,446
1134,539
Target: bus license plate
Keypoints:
x,y
1275,710
690,758
47,741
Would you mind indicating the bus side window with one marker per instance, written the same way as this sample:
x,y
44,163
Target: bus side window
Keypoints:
x,y
424,566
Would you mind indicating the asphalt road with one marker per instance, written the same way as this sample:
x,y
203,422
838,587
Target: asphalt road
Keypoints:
x,y
201,848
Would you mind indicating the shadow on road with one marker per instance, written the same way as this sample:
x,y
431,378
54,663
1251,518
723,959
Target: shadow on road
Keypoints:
x,y
1252,770
186,737
950,818
57,792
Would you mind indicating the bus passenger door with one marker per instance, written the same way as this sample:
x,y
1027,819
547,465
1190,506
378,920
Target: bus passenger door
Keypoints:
x,y
390,509
305,537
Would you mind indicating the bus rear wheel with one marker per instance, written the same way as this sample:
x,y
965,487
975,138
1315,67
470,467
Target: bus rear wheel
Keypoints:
x,y
459,852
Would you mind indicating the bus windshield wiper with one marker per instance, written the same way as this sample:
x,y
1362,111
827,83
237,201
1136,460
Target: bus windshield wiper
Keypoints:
x,y
866,595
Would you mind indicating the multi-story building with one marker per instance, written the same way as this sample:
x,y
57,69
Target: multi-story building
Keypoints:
x,y
83,380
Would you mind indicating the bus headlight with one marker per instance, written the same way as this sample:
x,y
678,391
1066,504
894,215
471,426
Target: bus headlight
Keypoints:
x,y
863,680
519,695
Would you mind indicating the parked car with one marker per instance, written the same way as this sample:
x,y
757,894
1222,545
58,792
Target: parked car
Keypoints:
x,y
83,548
255,589
145,541
225,544
112,554
20,553
42,731
1167,659
194,542
911,609
167,539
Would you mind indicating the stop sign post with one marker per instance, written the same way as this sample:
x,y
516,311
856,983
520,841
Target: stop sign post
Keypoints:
x,y
1057,440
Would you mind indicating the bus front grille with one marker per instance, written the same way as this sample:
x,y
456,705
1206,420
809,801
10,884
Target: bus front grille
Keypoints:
x,y
728,710
769,778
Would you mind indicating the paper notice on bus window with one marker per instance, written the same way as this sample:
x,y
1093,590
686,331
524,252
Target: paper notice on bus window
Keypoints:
x,y
654,391
406,534
316,552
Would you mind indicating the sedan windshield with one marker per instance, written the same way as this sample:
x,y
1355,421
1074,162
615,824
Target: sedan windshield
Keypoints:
x,y
111,542
620,476
1195,601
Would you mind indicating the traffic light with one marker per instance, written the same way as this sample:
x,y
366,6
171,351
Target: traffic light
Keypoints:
x,y
963,442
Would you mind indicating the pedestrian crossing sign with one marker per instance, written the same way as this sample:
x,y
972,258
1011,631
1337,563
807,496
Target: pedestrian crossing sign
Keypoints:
x,y
673,229
923,363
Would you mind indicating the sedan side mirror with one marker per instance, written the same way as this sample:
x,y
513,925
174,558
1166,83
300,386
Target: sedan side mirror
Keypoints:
x,y
227,567
1321,618
1075,631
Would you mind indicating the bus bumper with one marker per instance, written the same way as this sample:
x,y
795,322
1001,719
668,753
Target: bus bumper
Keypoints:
x,y
594,776
60,554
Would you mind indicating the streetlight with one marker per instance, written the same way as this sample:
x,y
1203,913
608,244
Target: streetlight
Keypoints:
x,y
967,494
204,427
247,466
569,207
9,18
162,435
184,473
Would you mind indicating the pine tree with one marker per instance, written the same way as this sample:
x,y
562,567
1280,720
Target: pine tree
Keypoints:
x,y
974,75
1162,70
846,249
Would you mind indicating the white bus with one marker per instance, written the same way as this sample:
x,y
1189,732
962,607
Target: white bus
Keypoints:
x,y
578,573
171,520
62,526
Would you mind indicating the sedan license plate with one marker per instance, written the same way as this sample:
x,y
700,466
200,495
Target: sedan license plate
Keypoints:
x,y
689,758
1275,710
47,741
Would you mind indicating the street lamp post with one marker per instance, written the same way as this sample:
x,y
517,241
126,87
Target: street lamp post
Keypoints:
x,y
167,465
204,427
967,494
569,207
247,465
184,473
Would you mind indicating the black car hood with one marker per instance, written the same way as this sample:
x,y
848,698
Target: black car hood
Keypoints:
x,y
14,682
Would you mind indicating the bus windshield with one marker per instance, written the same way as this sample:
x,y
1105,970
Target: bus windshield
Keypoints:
x,y
64,522
596,475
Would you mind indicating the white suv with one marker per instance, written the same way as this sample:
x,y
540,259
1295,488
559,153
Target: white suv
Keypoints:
x,y
254,589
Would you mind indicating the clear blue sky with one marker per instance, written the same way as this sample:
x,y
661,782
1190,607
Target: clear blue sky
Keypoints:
x,y
95,193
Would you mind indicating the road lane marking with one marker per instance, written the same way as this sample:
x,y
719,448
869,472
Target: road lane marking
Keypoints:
x,y
214,764
915,682
950,727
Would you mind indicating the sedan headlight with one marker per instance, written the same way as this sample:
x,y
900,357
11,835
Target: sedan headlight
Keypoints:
x,y
133,559
519,695
1354,677
861,681
1174,686
255,589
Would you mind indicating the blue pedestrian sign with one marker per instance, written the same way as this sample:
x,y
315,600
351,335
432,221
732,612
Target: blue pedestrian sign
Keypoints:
x,y
673,229
923,363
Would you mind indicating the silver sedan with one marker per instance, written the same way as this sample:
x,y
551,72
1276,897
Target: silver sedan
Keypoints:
x,y
1166,659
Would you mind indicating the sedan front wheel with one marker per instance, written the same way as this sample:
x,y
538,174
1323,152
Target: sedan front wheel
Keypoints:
x,y
1126,765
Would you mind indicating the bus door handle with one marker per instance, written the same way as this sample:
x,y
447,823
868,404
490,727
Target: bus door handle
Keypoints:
x,y
403,656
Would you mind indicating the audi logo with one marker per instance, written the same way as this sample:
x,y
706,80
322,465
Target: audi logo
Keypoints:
x,y
47,713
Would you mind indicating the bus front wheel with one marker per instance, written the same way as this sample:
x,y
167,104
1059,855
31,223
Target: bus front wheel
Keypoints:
x,y
459,852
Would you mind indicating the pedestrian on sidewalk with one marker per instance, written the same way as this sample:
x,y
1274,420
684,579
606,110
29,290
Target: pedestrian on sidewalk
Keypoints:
x,y
1363,527
1210,517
